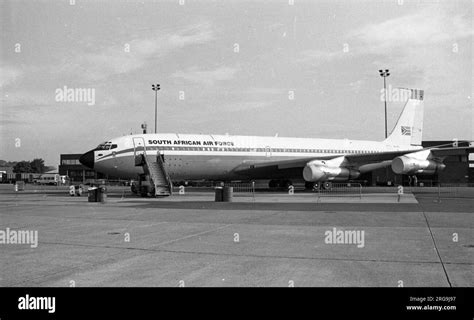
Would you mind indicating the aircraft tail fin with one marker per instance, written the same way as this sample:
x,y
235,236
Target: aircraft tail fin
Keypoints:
x,y
409,128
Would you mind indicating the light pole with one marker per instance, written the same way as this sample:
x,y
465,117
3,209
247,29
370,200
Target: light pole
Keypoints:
x,y
155,87
385,73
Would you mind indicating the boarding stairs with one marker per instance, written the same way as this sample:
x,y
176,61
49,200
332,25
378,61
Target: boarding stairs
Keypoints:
x,y
154,169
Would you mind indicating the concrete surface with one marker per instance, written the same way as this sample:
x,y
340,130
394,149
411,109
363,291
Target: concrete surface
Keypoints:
x,y
276,240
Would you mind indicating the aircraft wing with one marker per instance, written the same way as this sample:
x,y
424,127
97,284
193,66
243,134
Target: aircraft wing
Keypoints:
x,y
455,151
435,152
257,168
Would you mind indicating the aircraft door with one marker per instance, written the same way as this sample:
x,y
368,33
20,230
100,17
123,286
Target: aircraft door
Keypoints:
x,y
138,146
114,157
268,152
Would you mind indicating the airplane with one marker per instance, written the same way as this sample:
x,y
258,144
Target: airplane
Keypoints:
x,y
183,157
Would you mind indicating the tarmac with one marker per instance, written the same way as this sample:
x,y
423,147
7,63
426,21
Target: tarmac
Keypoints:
x,y
266,239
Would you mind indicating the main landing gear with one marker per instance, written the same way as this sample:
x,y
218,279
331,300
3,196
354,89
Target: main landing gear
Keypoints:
x,y
412,180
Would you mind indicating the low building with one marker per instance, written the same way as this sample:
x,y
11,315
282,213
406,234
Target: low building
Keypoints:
x,y
471,168
70,166
6,174
6,170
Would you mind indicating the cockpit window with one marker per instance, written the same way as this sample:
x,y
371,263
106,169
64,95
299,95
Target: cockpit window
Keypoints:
x,y
106,146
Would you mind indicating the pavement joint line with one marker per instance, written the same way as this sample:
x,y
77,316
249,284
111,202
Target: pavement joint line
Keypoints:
x,y
436,247
146,206
85,265
152,250
268,225
194,235
131,248
263,216
145,249
244,222
289,212
457,198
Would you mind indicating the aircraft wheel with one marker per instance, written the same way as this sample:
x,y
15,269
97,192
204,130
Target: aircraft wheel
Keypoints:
x,y
151,193
272,184
327,185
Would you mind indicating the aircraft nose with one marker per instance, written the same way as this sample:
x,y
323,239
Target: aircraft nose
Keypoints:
x,y
87,159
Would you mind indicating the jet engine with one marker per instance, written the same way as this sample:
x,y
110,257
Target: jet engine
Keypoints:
x,y
407,165
317,170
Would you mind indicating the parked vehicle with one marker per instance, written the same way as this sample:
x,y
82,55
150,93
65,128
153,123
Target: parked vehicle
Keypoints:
x,y
48,179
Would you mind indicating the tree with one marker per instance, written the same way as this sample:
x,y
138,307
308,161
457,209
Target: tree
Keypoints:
x,y
4,163
22,167
37,166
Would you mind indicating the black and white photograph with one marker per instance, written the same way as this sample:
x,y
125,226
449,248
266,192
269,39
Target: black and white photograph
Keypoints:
x,y
225,143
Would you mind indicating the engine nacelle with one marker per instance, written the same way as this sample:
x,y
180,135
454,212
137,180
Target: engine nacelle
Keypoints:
x,y
407,165
316,171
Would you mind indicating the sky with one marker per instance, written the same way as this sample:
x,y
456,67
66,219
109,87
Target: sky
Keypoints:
x,y
288,67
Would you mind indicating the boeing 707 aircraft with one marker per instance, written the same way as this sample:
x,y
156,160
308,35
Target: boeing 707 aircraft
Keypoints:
x,y
280,159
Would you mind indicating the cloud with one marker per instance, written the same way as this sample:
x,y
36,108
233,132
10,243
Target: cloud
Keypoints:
x,y
130,56
21,99
194,34
421,44
257,91
400,35
208,77
9,74
316,57
421,29
247,105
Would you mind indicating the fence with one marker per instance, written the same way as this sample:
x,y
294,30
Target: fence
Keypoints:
x,y
239,188
340,189
443,190
242,187
437,191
